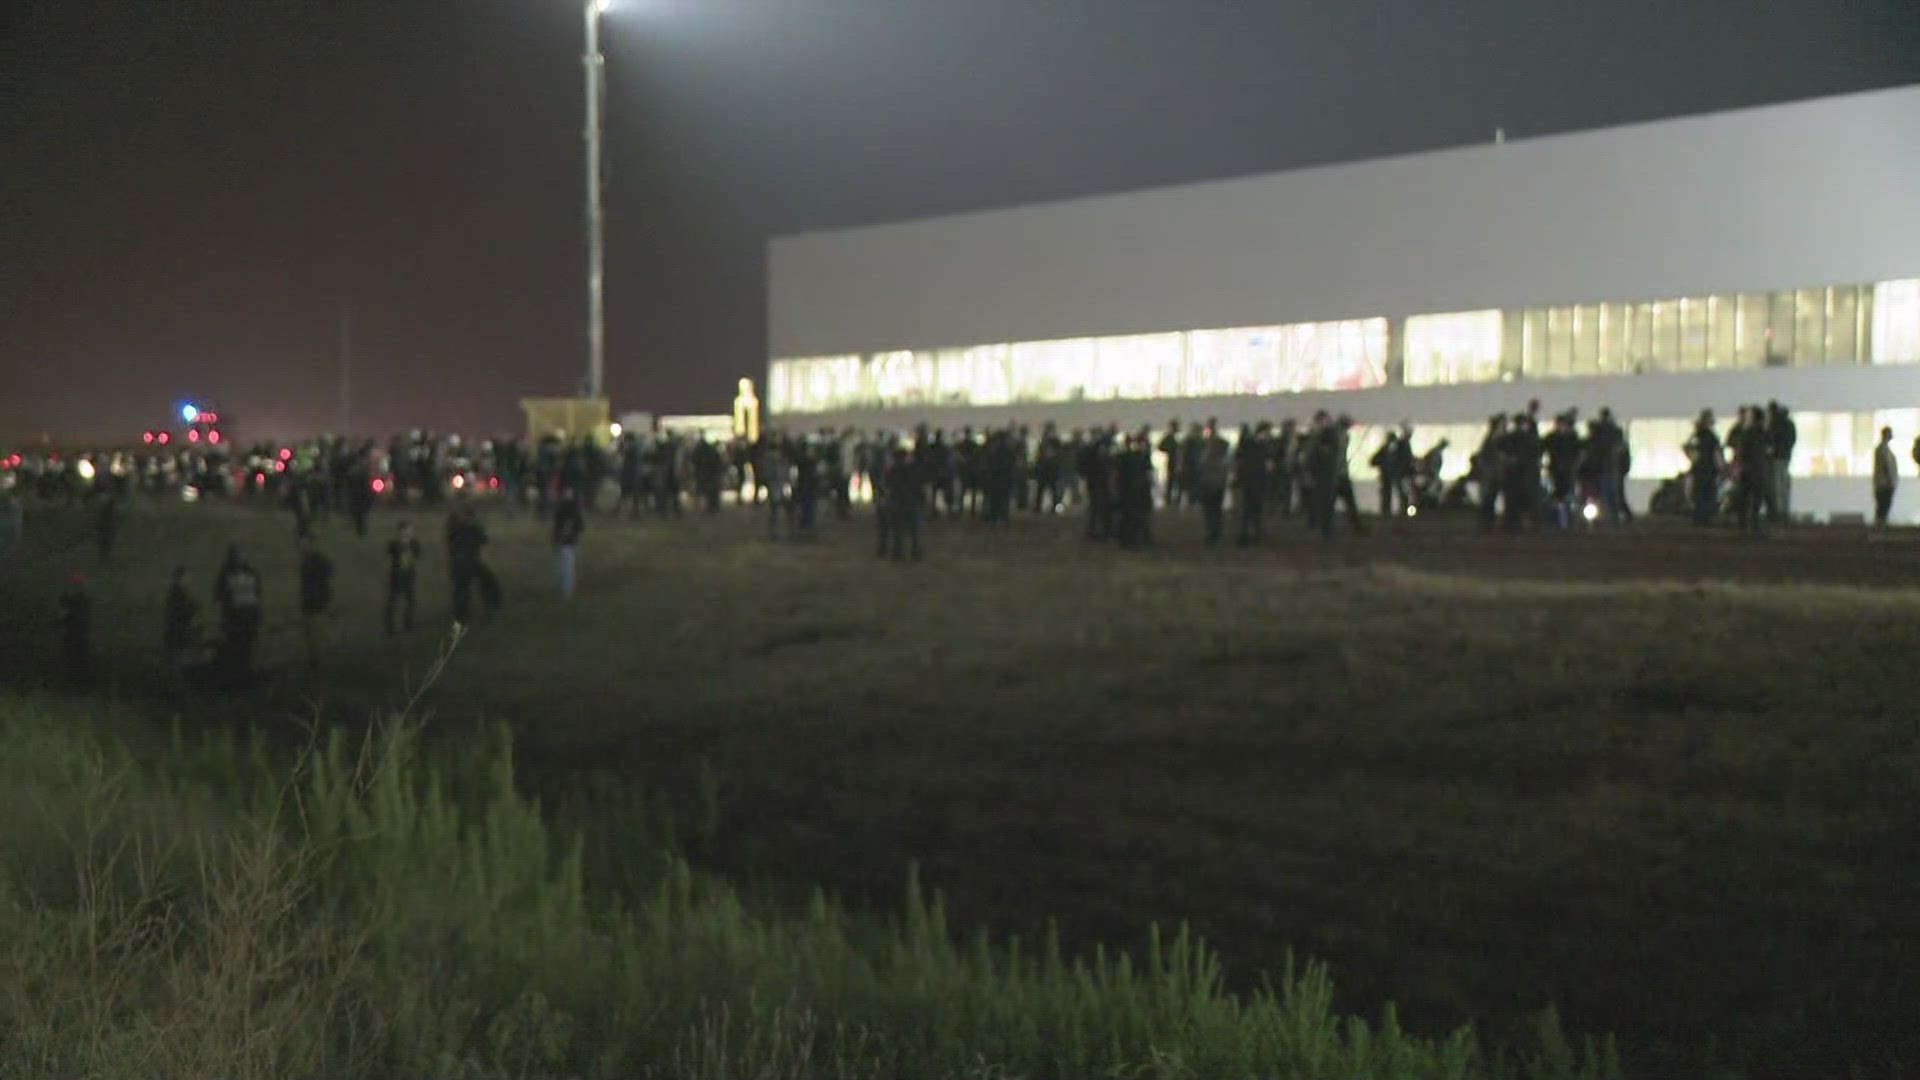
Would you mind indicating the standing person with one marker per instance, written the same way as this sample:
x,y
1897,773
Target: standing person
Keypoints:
x,y
403,571
1342,443
1251,465
76,630
1385,463
1563,449
316,597
1169,448
1488,469
773,471
466,561
238,594
181,637
806,490
1093,466
1886,477
1706,463
1133,481
360,496
1284,467
1520,451
1754,452
1784,435
1211,484
569,522
903,494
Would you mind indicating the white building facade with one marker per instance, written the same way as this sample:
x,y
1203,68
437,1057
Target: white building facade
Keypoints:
x,y
1768,254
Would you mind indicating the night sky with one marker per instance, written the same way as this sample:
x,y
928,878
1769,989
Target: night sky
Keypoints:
x,y
191,190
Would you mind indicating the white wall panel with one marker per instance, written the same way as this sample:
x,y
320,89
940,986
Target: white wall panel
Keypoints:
x,y
1810,193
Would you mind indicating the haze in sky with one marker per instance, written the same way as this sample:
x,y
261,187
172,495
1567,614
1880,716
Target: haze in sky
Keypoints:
x,y
191,192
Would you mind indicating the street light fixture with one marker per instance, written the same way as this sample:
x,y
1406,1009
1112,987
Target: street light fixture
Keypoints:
x,y
595,65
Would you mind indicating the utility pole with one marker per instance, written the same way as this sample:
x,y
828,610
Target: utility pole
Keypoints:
x,y
595,65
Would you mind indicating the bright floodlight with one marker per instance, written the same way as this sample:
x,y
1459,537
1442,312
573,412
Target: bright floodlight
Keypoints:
x,y
189,413
601,7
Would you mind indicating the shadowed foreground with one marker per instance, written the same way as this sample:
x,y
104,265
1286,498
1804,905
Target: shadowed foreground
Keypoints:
x,y
1475,775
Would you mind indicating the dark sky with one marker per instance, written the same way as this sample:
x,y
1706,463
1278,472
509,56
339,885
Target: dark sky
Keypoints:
x,y
191,189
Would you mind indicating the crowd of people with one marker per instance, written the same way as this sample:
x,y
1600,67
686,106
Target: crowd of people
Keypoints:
x,y
1527,472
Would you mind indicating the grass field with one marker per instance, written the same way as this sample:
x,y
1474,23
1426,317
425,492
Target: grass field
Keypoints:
x,y
1663,782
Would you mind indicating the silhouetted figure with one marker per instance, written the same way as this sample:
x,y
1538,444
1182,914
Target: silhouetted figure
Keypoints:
x,y
1886,477
1210,483
903,495
569,523
403,571
466,563
1706,464
238,594
180,640
316,598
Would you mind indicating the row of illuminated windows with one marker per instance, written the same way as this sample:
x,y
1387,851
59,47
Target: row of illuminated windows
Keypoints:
x,y
1835,325
1350,355
1854,324
1828,444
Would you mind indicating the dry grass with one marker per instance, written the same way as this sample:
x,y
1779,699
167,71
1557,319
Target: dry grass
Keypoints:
x,y
1665,783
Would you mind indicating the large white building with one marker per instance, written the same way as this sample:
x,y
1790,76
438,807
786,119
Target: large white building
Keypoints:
x,y
1706,262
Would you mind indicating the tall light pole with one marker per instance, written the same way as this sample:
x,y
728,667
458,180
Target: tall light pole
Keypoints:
x,y
595,65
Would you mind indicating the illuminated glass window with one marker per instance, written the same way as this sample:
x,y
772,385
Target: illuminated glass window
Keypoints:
x,y
815,384
977,376
1137,366
1809,327
1896,322
1846,329
1350,355
1723,312
1833,444
1449,350
901,378
1659,448
1046,371
1225,362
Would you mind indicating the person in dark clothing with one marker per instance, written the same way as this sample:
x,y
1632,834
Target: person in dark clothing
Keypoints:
x,y
241,601
466,561
1210,482
569,523
1170,456
403,571
1783,435
300,501
360,497
1520,450
1251,466
1317,473
1343,493
180,639
1284,468
1706,464
1133,483
998,467
1563,449
1489,468
76,630
1886,477
1607,447
1753,453
903,493
316,597
807,482
1385,463
1095,467
632,466
1049,466
1405,468
709,473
